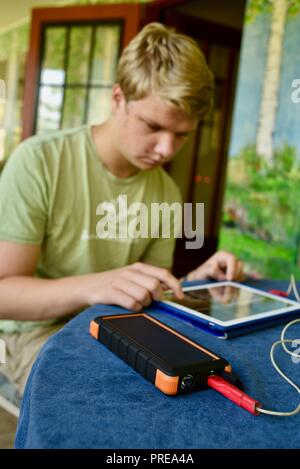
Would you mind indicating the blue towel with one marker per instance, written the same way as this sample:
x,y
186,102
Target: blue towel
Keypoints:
x,y
81,395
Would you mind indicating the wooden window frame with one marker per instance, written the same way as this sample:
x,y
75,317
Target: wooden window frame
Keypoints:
x,y
128,14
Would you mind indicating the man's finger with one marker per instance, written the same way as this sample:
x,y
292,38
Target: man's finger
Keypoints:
x,y
231,265
153,285
137,292
240,271
126,301
227,262
161,274
215,271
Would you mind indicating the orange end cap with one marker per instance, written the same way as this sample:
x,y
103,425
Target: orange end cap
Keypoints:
x,y
228,369
165,383
94,329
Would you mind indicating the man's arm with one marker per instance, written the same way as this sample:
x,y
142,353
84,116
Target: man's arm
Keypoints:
x,y
25,297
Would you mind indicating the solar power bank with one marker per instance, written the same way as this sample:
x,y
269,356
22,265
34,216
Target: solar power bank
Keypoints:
x,y
170,360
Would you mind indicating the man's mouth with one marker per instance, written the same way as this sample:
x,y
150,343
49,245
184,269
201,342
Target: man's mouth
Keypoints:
x,y
151,162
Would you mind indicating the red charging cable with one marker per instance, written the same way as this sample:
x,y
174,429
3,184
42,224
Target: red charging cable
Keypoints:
x,y
279,293
234,394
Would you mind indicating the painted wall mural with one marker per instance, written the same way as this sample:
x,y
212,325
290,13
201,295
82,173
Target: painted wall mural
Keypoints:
x,y
261,221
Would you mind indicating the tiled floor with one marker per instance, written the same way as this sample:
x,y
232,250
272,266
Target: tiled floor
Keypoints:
x,y
8,424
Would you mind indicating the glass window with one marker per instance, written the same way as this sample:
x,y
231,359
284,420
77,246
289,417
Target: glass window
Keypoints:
x,y
99,105
11,109
78,72
52,71
106,54
49,108
74,107
79,53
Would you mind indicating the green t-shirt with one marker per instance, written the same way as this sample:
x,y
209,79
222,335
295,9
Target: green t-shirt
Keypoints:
x,y
55,192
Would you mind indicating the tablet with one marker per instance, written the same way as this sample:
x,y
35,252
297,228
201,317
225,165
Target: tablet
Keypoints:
x,y
223,306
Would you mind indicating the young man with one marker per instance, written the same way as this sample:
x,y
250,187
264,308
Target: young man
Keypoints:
x,y
52,261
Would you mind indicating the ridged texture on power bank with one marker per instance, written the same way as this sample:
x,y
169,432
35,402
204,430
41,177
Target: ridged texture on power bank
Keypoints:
x,y
128,351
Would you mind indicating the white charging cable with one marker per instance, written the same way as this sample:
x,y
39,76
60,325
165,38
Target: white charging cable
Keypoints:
x,y
283,341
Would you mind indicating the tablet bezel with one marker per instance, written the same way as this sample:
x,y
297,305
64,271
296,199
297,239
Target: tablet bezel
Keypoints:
x,y
211,321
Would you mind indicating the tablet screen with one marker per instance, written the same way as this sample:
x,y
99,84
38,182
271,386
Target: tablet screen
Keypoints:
x,y
227,302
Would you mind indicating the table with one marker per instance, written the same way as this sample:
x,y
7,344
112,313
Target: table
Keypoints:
x,y
81,395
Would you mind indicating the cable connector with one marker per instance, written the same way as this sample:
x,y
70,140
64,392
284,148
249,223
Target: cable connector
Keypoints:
x,y
279,293
234,394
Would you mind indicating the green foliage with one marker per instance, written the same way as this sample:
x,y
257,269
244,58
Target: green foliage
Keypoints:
x,y
54,47
262,206
17,38
271,260
294,7
258,7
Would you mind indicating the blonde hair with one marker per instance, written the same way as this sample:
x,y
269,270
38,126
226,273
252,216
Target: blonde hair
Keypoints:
x,y
162,61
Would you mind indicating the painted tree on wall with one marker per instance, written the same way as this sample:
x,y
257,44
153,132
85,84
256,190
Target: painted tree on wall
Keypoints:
x,y
280,10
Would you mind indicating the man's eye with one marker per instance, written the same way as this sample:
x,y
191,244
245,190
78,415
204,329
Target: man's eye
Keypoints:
x,y
154,128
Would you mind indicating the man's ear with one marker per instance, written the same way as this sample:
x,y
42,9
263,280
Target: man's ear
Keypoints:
x,y
118,98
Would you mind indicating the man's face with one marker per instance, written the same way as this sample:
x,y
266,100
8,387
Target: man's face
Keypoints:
x,y
148,132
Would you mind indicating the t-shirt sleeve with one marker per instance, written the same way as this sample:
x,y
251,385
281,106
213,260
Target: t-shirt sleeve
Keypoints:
x,y
161,250
23,197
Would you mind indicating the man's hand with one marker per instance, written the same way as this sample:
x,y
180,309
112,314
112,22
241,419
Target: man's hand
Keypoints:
x,y
132,287
220,266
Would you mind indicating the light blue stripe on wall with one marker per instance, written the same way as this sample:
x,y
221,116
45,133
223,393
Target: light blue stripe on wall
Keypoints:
x,y
249,86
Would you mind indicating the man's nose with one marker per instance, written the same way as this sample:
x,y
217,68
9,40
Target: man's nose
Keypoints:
x,y
165,145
